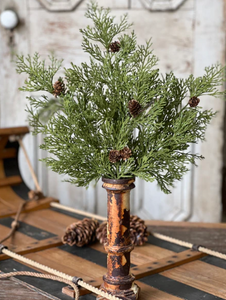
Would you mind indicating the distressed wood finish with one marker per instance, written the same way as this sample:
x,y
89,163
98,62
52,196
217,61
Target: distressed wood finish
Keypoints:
x,y
119,281
212,235
61,5
162,270
13,290
163,4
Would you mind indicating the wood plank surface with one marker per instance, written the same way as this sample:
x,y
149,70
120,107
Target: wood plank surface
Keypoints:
x,y
69,263
14,130
9,201
164,271
33,205
170,262
8,153
12,180
209,235
11,290
200,275
148,292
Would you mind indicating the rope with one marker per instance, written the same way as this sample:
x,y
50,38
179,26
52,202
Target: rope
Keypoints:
x,y
78,211
46,276
15,223
19,138
190,245
69,278
157,235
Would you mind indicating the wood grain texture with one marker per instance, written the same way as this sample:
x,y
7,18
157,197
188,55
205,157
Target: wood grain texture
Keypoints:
x,y
209,31
71,264
10,290
211,236
169,262
153,262
8,209
200,275
12,180
14,130
148,292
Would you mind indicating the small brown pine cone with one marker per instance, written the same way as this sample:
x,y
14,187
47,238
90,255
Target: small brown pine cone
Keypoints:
x,y
101,233
125,153
114,46
194,101
69,237
35,195
81,233
134,107
114,156
59,87
138,232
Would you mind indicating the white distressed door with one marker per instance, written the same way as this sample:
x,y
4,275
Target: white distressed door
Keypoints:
x,y
187,36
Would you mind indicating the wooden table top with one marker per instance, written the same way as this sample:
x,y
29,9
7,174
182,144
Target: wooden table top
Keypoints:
x,y
198,277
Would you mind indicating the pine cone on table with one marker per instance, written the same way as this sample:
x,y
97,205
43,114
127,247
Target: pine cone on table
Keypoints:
x,y
70,235
194,101
101,233
134,107
59,87
138,232
114,46
81,233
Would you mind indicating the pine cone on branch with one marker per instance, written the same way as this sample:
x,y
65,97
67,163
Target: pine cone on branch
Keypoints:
x,y
114,46
114,156
138,232
194,101
59,87
134,107
125,153
81,233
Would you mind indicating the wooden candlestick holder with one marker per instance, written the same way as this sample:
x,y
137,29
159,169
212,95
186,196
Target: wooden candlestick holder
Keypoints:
x,y
119,281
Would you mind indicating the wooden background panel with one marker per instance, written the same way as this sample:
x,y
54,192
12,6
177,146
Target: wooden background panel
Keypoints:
x,y
185,40
209,31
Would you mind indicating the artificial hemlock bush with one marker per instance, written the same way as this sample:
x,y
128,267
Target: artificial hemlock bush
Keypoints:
x,y
117,116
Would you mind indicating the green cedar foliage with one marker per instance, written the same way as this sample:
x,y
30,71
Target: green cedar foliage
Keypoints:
x,y
91,117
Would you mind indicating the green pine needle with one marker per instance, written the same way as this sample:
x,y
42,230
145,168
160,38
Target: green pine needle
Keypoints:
x,y
92,117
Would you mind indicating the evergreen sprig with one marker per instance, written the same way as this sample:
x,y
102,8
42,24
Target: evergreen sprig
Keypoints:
x,y
40,76
92,118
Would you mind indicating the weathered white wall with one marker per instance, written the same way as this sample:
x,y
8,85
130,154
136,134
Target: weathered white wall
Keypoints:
x,y
185,40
